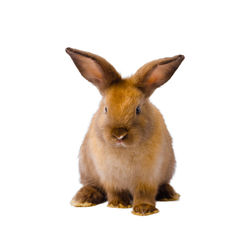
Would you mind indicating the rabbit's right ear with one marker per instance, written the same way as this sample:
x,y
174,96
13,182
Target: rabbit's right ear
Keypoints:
x,y
94,68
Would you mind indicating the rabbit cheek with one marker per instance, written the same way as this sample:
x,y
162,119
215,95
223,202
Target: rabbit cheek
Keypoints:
x,y
106,135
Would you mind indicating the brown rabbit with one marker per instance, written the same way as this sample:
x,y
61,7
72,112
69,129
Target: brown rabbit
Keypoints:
x,y
127,156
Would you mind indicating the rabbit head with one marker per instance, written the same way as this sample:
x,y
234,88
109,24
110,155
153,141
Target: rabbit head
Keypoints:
x,y
125,116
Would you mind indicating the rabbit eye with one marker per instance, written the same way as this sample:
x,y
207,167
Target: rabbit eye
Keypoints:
x,y
106,109
138,110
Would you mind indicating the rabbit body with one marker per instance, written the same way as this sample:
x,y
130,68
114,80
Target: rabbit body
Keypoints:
x,y
123,168
127,156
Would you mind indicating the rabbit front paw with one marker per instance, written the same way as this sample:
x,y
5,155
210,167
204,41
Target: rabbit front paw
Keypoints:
x,y
119,204
144,209
119,199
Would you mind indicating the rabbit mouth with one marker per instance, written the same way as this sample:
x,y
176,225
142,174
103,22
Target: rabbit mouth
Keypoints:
x,y
120,142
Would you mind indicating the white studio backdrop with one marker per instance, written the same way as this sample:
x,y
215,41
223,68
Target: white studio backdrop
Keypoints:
x,y
46,107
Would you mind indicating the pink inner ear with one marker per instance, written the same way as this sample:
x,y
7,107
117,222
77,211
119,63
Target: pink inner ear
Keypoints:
x,y
157,76
92,70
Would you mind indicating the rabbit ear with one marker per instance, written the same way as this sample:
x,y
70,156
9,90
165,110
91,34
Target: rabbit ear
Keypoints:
x,y
156,73
94,68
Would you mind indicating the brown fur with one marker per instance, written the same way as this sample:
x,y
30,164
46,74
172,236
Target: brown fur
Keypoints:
x,y
89,195
166,192
121,199
125,154
144,209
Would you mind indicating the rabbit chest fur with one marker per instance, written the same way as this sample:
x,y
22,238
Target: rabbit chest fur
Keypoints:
x,y
122,168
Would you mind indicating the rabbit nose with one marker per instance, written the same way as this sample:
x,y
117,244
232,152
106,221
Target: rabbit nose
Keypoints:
x,y
119,133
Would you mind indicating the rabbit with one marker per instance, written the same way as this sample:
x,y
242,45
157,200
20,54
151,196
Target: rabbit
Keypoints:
x,y
126,157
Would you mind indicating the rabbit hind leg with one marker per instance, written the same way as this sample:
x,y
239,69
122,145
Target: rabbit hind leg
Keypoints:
x,y
167,193
88,196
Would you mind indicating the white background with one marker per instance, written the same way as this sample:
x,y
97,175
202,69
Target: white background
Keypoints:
x,y
46,107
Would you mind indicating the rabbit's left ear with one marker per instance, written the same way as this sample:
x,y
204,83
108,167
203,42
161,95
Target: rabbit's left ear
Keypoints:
x,y
154,74
94,68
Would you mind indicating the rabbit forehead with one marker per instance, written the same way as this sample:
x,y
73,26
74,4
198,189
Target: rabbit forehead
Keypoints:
x,y
121,100
120,95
